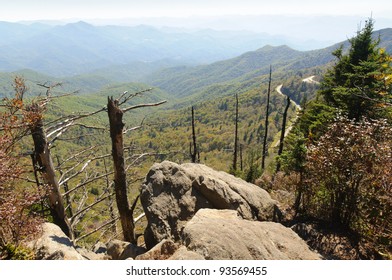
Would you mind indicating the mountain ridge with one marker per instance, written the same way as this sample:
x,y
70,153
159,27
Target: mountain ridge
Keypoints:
x,y
76,48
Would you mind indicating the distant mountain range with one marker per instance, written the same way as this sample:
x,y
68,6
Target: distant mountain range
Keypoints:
x,y
91,58
184,81
76,48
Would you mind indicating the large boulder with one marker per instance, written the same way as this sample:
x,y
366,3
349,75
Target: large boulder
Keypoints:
x,y
54,244
171,195
223,235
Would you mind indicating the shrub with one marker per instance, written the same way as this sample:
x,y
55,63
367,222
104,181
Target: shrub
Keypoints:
x,y
348,181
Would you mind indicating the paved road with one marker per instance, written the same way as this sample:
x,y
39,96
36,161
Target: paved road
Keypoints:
x,y
288,129
310,80
278,89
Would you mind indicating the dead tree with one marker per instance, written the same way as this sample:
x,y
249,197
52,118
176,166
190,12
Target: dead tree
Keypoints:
x,y
44,165
120,181
66,189
266,122
116,124
283,132
111,208
193,153
241,159
235,155
75,168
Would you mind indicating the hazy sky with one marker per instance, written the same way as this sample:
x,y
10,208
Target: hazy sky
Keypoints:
x,y
15,10
326,22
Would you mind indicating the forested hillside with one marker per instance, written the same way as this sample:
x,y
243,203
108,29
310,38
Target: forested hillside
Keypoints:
x,y
93,137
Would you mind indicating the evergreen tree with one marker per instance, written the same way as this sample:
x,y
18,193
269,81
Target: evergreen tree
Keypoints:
x,y
354,84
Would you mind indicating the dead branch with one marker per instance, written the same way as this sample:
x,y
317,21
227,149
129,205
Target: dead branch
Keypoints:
x,y
81,204
88,207
77,155
132,129
97,229
138,157
90,126
76,173
130,96
66,188
48,87
60,131
88,182
143,106
72,118
77,137
80,162
138,218
70,169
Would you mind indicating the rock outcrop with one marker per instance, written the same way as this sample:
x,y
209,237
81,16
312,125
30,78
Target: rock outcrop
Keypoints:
x,y
183,253
222,235
172,194
193,213
162,251
121,250
53,244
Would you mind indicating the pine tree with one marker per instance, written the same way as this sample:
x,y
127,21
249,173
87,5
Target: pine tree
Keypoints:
x,y
354,85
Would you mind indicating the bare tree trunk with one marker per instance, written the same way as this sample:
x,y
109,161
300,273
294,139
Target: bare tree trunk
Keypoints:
x,y
283,132
108,191
241,159
120,182
266,122
193,153
67,195
46,168
235,156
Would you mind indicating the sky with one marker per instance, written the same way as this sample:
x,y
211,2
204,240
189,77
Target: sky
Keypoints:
x,y
16,10
323,22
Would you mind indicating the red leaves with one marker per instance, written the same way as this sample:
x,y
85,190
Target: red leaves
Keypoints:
x,y
348,176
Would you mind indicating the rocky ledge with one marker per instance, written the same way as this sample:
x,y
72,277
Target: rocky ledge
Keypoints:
x,y
194,212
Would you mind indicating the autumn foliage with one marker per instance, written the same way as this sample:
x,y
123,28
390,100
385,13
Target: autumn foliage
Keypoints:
x,y
348,181
18,221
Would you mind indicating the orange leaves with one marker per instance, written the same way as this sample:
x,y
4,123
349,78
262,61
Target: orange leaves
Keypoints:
x,y
19,87
348,178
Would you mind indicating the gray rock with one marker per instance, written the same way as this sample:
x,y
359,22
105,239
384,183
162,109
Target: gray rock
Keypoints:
x,y
54,244
184,254
115,248
162,251
89,255
57,255
171,195
121,250
131,251
223,235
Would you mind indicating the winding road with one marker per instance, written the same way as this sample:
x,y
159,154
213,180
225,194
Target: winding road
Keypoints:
x,y
310,80
278,89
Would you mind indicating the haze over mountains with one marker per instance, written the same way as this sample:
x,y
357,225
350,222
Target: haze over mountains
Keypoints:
x,y
201,64
76,48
